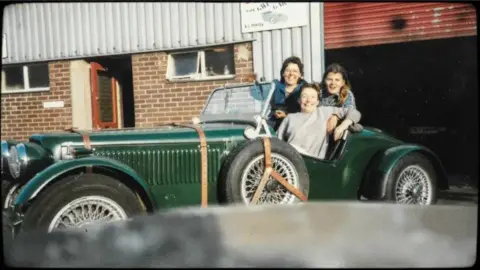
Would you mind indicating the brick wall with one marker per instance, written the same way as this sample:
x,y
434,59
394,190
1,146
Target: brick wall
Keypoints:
x,y
23,113
159,101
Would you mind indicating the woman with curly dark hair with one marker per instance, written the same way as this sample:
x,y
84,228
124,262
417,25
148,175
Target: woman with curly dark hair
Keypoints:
x,y
287,90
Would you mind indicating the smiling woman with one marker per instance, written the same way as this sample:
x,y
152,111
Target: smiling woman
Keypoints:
x,y
287,90
336,87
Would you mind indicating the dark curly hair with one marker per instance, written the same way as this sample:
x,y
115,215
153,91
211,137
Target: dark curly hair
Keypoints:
x,y
291,60
337,68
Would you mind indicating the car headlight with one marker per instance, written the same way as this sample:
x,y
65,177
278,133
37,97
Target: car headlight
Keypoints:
x,y
17,159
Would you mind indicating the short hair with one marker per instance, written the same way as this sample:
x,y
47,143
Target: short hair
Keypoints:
x,y
291,60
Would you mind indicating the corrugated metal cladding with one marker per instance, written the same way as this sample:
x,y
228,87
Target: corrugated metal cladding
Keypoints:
x,y
361,24
50,31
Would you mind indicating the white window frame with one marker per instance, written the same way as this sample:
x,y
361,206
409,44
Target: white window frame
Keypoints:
x,y
202,76
26,83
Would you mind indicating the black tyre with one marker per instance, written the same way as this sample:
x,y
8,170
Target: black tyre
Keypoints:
x,y
413,180
85,193
244,169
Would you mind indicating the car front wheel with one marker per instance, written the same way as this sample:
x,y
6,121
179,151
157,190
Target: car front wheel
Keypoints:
x,y
244,169
80,200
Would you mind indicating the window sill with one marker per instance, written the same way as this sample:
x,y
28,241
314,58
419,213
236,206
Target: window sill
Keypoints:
x,y
213,78
23,91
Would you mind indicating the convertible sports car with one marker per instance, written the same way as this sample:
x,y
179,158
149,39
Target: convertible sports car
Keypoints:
x,y
229,154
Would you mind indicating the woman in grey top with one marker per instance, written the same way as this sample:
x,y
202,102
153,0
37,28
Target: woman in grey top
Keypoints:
x,y
307,129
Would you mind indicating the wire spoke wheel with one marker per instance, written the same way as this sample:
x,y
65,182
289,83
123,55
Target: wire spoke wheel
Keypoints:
x,y
85,211
413,186
274,192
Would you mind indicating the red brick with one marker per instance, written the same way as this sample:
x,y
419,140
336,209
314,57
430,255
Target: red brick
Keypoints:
x,y
23,113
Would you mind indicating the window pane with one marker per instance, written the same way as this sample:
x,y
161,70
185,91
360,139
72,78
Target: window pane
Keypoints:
x,y
185,63
105,97
13,77
38,75
219,61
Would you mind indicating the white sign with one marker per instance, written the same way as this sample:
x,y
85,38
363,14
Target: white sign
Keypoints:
x,y
4,46
273,15
53,104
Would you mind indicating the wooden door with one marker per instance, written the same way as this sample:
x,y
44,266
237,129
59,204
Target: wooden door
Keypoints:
x,y
104,98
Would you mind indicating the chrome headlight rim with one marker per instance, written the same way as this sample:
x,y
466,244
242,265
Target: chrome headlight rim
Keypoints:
x,y
17,160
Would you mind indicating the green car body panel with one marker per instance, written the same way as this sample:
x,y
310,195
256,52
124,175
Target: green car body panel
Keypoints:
x,y
165,161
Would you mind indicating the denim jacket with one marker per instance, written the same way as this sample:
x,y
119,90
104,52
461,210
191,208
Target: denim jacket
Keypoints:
x,y
281,102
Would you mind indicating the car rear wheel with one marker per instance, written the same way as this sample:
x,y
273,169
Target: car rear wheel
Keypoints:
x,y
412,181
244,169
80,200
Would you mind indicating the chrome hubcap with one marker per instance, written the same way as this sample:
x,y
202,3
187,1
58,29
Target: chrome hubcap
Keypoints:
x,y
274,192
413,186
85,211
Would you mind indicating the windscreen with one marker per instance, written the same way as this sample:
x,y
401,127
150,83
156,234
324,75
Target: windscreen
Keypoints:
x,y
235,100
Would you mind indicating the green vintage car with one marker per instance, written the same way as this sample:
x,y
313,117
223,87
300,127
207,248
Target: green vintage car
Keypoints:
x,y
73,178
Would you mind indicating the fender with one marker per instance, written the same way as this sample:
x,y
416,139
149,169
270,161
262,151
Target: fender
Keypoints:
x,y
39,181
383,163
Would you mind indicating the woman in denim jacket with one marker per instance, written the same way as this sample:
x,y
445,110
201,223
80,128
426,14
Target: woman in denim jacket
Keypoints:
x,y
336,91
287,91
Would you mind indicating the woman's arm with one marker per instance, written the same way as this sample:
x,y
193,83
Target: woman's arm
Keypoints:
x,y
347,113
350,115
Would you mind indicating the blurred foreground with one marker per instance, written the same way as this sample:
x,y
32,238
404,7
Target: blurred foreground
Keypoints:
x,y
337,234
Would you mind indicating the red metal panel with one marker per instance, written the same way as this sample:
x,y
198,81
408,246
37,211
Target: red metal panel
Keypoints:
x,y
361,24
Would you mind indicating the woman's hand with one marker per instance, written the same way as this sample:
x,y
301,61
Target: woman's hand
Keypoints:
x,y
280,114
332,123
337,134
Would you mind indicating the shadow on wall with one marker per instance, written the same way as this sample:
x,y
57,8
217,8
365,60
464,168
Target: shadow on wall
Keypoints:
x,y
423,92
120,67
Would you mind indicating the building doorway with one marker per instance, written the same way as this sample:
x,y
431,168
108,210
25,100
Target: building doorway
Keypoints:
x,y
111,87
104,97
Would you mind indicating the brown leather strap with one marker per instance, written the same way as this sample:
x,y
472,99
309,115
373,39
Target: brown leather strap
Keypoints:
x,y
204,160
289,187
268,151
276,175
86,138
266,173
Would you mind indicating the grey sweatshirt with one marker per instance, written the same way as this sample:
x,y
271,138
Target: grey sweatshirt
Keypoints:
x,y
308,131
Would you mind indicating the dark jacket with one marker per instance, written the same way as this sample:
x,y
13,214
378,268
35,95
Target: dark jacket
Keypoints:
x,y
281,102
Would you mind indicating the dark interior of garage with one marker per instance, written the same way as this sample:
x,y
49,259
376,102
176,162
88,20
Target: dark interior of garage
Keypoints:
x,y
423,92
